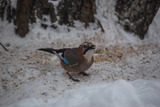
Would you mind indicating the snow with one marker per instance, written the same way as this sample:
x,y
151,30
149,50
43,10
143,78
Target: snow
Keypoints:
x,y
154,30
125,72
115,94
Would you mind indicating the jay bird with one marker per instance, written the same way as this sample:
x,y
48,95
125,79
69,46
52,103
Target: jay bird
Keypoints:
x,y
77,59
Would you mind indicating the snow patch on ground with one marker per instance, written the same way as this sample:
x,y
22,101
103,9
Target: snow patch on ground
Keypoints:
x,y
138,93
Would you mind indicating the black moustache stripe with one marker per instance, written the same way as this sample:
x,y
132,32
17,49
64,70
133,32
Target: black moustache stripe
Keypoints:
x,y
87,50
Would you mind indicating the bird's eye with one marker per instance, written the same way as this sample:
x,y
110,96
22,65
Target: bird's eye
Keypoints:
x,y
84,46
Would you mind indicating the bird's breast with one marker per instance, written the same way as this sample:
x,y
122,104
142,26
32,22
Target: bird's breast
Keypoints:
x,y
88,55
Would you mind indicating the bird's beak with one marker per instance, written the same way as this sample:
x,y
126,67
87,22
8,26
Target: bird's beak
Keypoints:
x,y
93,46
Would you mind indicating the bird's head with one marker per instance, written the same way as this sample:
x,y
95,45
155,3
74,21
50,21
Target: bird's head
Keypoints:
x,y
87,48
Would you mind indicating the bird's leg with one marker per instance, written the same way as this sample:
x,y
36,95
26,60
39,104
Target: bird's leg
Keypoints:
x,y
84,74
70,77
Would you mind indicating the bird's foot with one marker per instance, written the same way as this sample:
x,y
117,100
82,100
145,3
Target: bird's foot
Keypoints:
x,y
76,80
70,77
84,74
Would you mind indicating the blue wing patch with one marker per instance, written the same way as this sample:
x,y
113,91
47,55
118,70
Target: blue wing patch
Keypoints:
x,y
66,61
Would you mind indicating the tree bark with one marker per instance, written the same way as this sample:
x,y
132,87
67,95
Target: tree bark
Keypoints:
x,y
70,10
136,15
22,17
27,10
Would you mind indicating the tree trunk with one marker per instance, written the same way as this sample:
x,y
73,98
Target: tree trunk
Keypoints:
x,y
137,15
22,17
10,13
70,10
27,11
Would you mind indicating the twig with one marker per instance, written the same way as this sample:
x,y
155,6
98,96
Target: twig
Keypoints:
x,y
126,21
4,47
99,23
116,13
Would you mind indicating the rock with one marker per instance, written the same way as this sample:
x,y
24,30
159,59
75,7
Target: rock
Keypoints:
x,y
44,25
53,26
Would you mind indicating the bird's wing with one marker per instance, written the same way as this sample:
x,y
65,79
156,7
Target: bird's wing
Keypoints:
x,y
71,57
67,55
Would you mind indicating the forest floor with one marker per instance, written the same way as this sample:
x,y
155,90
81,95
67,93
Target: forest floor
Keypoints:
x,y
26,72
126,71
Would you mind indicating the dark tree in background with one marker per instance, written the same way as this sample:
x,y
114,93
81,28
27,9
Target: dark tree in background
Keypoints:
x,y
70,10
28,10
22,17
5,8
137,15
134,15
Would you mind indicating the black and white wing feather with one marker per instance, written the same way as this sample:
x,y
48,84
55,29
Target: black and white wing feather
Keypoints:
x,y
67,55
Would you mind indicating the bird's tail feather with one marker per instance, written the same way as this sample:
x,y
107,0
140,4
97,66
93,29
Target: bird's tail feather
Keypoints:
x,y
49,50
57,52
